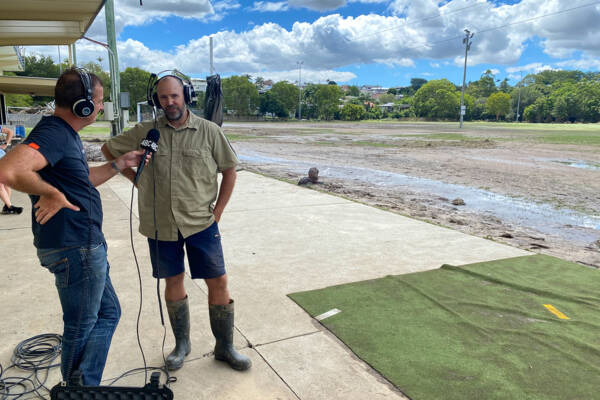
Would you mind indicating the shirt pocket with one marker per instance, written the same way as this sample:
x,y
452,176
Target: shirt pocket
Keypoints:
x,y
199,165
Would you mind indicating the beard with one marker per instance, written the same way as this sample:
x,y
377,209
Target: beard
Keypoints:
x,y
174,113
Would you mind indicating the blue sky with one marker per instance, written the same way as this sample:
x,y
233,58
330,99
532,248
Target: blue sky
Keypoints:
x,y
377,42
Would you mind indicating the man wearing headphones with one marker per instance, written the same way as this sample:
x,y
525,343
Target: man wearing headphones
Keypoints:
x,y
51,166
180,203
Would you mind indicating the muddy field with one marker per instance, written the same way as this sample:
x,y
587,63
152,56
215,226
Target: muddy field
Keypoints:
x,y
534,187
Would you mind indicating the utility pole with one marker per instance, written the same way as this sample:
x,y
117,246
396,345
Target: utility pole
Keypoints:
x,y
299,89
519,98
117,122
467,43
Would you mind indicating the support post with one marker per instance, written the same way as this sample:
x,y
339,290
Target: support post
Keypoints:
x,y
109,12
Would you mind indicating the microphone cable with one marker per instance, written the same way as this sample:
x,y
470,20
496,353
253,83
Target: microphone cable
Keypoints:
x,y
137,325
35,355
156,251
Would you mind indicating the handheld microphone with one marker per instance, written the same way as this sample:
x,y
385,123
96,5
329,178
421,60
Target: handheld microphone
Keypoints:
x,y
150,144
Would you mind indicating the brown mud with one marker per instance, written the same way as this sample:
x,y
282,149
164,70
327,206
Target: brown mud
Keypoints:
x,y
510,163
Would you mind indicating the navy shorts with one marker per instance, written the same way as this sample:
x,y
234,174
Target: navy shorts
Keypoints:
x,y
204,253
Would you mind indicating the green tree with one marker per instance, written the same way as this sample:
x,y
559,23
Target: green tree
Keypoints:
x,y
416,83
484,87
240,95
528,96
353,91
386,98
326,100
504,86
498,104
42,67
259,81
19,100
550,77
135,81
588,92
539,111
374,113
270,104
437,99
474,109
96,69
286,94
353,112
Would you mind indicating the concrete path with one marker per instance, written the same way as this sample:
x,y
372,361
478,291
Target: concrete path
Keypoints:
x,y
278,239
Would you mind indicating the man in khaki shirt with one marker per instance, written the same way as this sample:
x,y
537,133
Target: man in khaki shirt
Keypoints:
x,y
176,193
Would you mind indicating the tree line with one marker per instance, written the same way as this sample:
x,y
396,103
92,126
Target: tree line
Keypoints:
x,y
547,96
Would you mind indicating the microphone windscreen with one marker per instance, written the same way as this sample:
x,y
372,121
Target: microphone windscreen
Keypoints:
x,y
153,135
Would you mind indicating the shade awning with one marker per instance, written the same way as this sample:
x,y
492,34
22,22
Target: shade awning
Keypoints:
x,y
10,59
27,85
44,22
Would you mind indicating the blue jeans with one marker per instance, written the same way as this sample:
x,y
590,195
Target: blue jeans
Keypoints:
x,y
90,307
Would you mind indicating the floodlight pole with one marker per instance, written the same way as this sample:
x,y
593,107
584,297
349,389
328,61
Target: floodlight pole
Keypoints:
x,y
299,89
467,43
519,98
212,70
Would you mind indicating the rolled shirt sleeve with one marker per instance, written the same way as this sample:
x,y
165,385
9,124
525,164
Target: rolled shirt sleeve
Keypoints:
x,y
223,153
129,140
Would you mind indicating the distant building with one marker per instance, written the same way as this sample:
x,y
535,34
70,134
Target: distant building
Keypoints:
x,y
387,107
198,84
372,89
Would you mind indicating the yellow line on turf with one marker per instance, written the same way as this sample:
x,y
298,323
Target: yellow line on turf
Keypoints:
x,y
554,311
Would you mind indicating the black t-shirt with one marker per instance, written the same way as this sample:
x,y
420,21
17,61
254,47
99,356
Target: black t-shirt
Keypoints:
x,y
68,171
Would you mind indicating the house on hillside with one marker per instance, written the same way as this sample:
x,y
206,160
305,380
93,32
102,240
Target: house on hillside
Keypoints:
x,y
387,107
372,90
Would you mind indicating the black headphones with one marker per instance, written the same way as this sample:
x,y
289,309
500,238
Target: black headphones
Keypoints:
x,y
152,95
83,106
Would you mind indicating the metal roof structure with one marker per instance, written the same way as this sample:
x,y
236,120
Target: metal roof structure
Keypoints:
x,y
27,85
39,22
44,22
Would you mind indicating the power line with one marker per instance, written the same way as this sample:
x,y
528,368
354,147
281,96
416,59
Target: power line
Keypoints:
x,y
432,17
520,22
539,17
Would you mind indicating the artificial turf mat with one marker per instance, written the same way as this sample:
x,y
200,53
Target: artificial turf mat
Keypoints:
x,y
479,331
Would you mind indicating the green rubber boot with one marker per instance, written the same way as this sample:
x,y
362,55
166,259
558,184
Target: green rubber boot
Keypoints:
x,y
179,315
221,323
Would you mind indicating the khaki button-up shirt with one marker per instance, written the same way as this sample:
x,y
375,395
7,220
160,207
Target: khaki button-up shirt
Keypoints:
x,y
183,172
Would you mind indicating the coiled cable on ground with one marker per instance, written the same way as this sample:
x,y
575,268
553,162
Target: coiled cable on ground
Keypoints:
x,y
32,359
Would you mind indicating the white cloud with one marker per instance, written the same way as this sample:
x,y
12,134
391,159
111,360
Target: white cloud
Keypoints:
x,y
130,13
267,6
494,71
533,67
318,5
581,64
308,76
332,42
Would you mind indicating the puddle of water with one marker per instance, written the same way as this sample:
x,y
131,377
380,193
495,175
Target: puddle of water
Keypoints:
x,y
579,164
545,218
